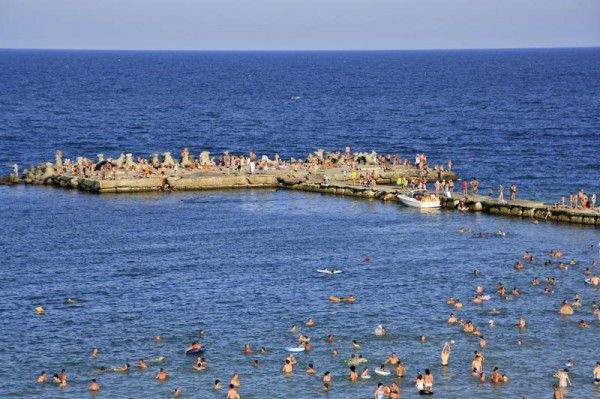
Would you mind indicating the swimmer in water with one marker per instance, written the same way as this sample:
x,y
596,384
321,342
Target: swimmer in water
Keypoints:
x,y
496,376
380,331
428,381
176,392
482,342
42,378
141,364
393,359
330,339
501,290
565,308
292,359
420,384
563,378
400,369
335,352
263,350
247,349
311,369
557,393
379,391
445,354
353,375
255,363
95,352
563,266
355,344
201,364
217,385
476,273
161,375
519,266
94,386
596,373
122,369
63,375
365,374
521,324
232,393
477,362
583,324
394,391
287,368
535,281
327,381
452,319
310,322
194,346
235,380
423,339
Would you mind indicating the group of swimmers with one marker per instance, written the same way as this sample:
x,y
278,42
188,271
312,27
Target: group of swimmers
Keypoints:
x,y
567,308
423,382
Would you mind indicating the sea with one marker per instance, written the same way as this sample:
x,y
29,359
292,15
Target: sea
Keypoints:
x,y
241,265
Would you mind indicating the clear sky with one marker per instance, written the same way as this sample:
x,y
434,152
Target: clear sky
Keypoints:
x,y
298,24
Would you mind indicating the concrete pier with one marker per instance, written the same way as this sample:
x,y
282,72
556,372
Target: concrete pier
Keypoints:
x,y
368,179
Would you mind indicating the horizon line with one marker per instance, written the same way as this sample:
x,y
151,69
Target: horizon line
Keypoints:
x,y
298,50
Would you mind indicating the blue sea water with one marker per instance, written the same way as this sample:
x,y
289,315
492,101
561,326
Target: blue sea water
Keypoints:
x,y
241,264
526,116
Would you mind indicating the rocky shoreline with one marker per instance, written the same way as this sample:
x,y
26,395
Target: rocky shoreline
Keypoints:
x,y
312,175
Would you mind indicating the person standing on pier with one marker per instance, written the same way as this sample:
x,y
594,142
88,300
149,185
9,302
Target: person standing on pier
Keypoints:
x,y
513,192
501,193
475,185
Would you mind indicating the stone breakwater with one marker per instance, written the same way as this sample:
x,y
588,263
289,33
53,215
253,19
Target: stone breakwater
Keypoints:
x,y
533,210
357,176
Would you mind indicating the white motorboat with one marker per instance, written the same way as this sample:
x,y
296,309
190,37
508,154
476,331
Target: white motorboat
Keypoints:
x,y
421,199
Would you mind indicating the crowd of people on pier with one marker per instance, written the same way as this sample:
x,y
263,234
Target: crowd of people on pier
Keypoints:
x,y
126,166
579,200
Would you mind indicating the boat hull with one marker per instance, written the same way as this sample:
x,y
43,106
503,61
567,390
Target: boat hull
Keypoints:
x,y
408,201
